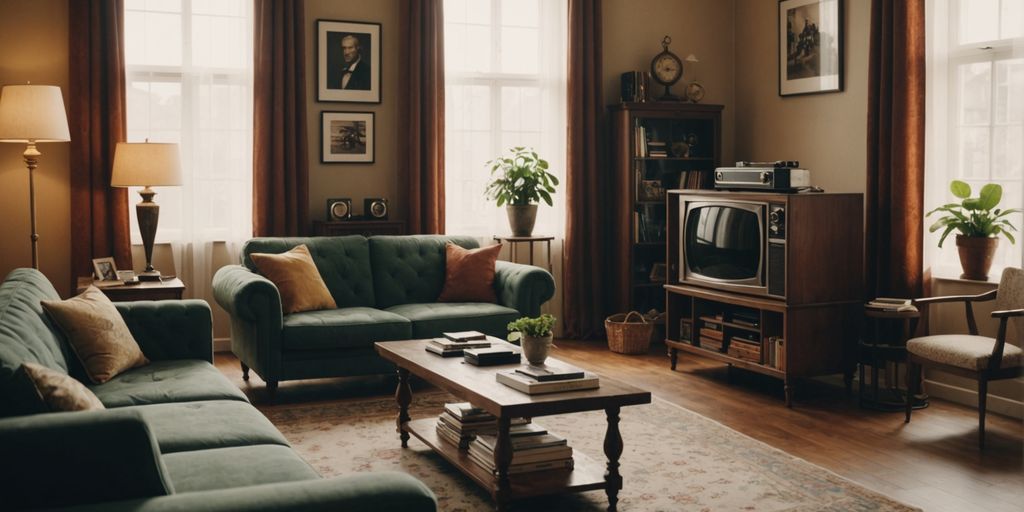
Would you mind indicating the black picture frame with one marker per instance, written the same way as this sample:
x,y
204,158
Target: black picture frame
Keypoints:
x,y
347,137
810,46
362,85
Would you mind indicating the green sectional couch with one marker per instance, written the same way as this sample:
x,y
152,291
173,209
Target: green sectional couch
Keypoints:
x,y
176,434
386,289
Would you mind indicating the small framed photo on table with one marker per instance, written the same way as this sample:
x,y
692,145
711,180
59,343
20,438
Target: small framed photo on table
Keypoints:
x,y
810,46
347,137
105,269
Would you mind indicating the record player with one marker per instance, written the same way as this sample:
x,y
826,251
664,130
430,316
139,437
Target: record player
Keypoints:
x,y
778,176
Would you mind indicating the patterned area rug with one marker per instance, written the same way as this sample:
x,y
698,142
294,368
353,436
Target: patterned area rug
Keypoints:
x,y
673,460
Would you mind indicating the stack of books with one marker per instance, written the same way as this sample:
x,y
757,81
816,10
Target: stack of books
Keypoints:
x,y
549,378
445,347
531,451
773,352
491,356
891,304
746,347
657,149
461,422
711,336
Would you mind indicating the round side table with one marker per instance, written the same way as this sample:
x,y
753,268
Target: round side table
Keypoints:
x,y
885,342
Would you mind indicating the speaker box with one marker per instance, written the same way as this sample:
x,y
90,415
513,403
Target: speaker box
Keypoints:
x,y
375,208
339,208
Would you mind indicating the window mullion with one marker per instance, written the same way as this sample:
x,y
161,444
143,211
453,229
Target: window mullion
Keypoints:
x,y
494,85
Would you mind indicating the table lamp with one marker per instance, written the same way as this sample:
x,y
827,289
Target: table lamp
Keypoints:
x,y
30,114
146,164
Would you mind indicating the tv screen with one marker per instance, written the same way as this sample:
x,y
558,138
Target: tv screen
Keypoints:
x,y
723,242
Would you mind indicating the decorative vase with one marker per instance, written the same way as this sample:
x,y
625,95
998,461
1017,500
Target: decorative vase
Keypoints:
x,y
521,218
535,348
976,255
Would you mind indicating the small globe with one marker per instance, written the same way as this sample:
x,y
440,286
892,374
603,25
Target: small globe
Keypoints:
x,y
694,92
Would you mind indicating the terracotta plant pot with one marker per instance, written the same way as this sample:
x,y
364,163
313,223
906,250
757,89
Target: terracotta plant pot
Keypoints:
x,y
521,219
536,348
976,255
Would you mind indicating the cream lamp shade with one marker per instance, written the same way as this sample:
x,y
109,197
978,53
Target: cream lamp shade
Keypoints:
x,y
32,113
146,164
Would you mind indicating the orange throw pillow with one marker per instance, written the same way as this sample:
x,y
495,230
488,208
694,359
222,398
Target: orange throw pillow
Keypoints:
x,y
469,274
297,280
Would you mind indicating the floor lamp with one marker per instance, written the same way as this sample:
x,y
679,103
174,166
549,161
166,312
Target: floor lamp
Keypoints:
x,y
30,114
146,164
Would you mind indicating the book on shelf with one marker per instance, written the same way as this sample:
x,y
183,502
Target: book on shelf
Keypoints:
x,y
529,453
463,336
491,356
708,332
551,372
525,443
742,348
465,411
460,432
774,352
482,460
711,343
531,386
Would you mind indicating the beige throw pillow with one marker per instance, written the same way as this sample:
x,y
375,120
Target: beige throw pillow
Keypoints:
x,y
297,280
97,334
57,391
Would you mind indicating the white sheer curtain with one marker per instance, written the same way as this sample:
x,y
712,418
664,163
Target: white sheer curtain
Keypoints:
x,y
189,80
975,112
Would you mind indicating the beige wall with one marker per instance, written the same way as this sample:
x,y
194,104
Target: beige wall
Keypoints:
x,y
357,181
34,48
633,31
827,133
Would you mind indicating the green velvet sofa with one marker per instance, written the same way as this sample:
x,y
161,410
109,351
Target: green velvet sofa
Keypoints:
x,y
176,434
386,289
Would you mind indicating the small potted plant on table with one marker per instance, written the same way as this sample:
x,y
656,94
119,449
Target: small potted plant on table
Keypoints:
x,y
534,335
519,182
979,224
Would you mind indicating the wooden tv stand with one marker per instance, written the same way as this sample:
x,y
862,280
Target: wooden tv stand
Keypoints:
x,y
817,321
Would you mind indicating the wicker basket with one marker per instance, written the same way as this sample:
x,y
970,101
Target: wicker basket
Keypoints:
x,y
628,333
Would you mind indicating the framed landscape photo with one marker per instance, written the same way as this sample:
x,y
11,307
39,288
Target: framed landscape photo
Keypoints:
x,y
348,61
810,46
347,137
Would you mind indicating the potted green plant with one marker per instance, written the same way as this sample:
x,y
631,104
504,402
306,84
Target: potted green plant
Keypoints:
x,y
534,335
519,181
978,223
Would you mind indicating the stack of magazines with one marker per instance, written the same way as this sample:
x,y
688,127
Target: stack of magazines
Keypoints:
x,y
461,422
533,450
548,378
446,347
891,304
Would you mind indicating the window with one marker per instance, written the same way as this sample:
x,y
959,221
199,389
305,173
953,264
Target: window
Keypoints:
x,y
505,86
975,112
189,80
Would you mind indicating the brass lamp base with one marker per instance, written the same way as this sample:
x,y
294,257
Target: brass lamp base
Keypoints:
x,y
148,213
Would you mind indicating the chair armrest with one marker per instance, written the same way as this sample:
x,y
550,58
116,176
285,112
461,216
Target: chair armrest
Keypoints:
x,y
246,294
67,458
981,297
170,329
523,287
366,492
1008,313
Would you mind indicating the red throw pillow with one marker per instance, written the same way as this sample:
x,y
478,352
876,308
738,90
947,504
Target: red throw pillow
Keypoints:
x,y
469,274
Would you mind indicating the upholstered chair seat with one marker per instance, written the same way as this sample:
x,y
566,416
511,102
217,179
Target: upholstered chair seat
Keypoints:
x,y
963,351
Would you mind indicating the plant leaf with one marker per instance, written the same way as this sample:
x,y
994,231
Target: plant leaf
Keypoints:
x,y
960,189
990,196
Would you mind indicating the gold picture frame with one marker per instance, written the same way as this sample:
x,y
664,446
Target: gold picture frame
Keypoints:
x,y
105,269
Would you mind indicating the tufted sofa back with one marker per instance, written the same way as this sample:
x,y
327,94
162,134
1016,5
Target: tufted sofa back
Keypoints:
x,y
410,269
343,262
26,333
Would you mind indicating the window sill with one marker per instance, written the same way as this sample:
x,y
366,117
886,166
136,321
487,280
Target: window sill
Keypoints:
x,y
952,275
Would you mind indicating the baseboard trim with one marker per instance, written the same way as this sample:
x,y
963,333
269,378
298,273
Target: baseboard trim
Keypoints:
x,y
996,404
222,344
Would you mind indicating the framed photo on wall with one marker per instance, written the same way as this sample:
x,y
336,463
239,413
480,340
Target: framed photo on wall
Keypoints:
x,y
346,137
810,46
348,61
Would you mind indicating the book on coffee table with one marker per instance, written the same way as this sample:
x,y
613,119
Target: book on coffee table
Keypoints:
x,y
491,356
465,335
531,386
445,347
551,371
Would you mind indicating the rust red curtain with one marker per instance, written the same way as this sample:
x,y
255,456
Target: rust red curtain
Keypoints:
x,y
587,244
895,174
99,212
280,164
421,108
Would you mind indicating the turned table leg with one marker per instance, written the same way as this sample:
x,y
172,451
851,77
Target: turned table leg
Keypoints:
x,y
612,450
502,459
403,395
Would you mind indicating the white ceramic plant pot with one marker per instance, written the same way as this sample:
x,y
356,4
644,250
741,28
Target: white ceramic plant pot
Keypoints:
x,y
536,348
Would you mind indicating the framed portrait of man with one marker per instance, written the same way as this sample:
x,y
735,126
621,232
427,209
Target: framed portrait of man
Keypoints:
x,y
348,61
347,137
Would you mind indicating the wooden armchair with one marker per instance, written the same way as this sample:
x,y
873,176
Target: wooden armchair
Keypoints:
x,y
973,356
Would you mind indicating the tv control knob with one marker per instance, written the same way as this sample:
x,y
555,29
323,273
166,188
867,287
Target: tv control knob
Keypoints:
x,y
766,177
776,217
719,176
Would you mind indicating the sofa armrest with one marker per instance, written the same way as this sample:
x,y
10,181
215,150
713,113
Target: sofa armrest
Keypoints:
x,y
65,458
245,294
358,493
171,329
523,287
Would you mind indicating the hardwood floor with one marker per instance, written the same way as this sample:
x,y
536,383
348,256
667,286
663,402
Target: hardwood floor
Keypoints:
x,y
933,462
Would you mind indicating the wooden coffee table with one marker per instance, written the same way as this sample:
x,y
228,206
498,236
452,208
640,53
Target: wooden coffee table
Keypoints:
x,y
478,386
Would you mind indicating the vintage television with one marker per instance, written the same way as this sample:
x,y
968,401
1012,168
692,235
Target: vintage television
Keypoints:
x,y
776,245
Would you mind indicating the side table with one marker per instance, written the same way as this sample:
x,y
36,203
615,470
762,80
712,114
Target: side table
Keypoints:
x,y
169,289
514,241
886,343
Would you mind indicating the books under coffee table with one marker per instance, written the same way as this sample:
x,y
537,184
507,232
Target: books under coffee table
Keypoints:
x,y
479,386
